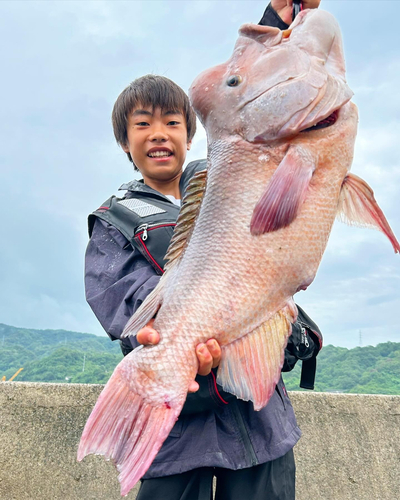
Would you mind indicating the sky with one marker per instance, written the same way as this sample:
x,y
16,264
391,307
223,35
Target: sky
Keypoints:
x,y
63,64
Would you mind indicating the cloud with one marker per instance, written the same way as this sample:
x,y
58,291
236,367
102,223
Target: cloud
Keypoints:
x,y
65,65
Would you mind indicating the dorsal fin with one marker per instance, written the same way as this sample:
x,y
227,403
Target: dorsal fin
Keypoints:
x,y
358,207
184,225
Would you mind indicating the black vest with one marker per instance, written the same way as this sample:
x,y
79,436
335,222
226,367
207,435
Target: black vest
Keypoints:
x,y
145,217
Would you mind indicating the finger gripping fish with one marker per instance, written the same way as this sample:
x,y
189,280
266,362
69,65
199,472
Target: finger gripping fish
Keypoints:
x,y
251,233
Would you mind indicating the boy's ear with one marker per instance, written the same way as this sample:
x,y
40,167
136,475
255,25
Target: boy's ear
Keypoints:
x,y
125,148
189,145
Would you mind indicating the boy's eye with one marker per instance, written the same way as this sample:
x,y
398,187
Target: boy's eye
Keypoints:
x,y
173,122
142,124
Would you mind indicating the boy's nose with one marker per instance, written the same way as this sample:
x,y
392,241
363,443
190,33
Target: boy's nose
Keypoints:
x,y
158,134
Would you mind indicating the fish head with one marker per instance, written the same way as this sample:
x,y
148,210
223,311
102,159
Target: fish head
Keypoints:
x,y
276,83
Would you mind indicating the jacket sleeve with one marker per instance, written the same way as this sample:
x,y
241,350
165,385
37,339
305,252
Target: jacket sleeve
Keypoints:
x,y
271,18
210,396
117,280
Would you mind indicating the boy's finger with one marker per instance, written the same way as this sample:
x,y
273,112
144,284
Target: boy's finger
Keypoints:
x,y
311,4
148,336
193,386
205,359
215,351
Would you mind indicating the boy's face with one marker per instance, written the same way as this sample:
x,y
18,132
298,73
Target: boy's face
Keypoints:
x,y
157,142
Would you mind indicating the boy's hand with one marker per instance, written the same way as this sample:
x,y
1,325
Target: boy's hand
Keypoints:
x,y
284,8
208,354
147,335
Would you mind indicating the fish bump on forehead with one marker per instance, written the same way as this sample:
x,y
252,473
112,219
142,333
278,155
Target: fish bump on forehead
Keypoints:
x,y
265,35
313,32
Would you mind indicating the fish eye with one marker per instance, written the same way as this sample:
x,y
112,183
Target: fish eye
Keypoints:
x,y
234,81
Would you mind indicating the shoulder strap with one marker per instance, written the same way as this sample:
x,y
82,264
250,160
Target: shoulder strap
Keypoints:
x,y
128,213
308,371
143,209
309,366
139,211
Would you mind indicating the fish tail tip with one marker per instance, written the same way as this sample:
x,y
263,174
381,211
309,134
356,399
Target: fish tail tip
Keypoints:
x,y
127,429
128,484
138,457
82,451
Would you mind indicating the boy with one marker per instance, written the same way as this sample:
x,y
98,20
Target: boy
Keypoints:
x,y
250,453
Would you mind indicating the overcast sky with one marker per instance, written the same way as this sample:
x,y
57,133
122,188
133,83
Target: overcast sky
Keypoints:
x,y
62,66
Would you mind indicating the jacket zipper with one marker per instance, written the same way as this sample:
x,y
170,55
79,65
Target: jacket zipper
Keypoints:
x,y
141,233
304,338
244,434
143,228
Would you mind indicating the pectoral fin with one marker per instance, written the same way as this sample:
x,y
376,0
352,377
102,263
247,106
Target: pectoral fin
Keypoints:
x,y
285,193
358,207
147,310
251,366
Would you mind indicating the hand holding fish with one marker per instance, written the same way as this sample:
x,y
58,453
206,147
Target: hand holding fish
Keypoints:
x,y
208,354
284,8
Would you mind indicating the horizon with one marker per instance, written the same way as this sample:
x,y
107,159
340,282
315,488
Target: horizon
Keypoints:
x,y
60,330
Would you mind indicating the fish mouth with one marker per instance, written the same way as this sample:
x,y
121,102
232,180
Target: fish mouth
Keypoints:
x,y
326,122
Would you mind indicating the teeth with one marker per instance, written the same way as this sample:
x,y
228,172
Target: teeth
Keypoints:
x,y
157,154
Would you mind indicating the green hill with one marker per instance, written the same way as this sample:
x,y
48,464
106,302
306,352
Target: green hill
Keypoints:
x,y
56,355
362,370
63,356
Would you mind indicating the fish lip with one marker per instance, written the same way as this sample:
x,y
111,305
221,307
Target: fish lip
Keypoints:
x,y
159,148
333,118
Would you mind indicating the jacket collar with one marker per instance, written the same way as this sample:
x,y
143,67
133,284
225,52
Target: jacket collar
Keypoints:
x,y
140,186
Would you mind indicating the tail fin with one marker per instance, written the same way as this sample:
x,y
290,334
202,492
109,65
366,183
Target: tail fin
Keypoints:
x,y
126,428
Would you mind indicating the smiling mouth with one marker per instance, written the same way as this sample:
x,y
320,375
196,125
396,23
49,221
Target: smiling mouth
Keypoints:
x,y
159,154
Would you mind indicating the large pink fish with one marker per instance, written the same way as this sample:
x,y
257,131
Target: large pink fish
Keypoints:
x,y
251,233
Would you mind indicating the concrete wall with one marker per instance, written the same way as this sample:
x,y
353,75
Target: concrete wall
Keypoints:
x,y
350,447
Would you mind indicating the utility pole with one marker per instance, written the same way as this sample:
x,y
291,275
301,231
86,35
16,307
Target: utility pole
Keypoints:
x,y
84,359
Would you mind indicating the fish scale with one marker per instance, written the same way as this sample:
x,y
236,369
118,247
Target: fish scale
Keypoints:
x,y
251,233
